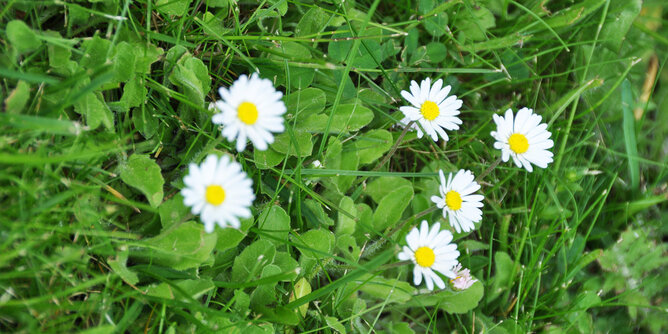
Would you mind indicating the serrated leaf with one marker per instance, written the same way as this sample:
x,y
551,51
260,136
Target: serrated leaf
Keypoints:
x,y
182,247
143,173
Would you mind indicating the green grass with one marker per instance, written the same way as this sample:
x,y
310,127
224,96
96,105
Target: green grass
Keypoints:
x,y
105,105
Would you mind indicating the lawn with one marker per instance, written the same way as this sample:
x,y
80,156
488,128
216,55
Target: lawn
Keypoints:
x,y
187,166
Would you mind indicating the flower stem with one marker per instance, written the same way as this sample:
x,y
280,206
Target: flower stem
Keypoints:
x,y
488,170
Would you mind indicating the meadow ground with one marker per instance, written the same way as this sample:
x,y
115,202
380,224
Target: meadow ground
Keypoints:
x,y
105,104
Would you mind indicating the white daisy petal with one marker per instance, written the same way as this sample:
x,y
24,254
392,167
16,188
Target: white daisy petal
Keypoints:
x,y
429,249
250,108
219,191
458,196
432,108
523,138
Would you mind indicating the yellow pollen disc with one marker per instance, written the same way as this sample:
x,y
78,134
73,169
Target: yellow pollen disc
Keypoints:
x,y
215,194
429,110
453,200
247,113
425,257
518,143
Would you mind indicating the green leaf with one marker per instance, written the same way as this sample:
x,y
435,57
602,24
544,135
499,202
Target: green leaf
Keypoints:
x,y
146,54
143,173
287,264
382,186
124,62
347,118
339,48
212,25
305,102
474,23
96,51
436,52
119,266
249,264
134,94
182,247
346,225
18,98
96,111
621,15
267,158
172,7
503,269
21,37
312,22
391,207
193,289
300,77
315,214
436,24
389,290
573,14
231,237
172,212
60,54
629,129
144,121
348,246
451,301
335,324
302,288
299,146
275,222
320,240
192,76
372,145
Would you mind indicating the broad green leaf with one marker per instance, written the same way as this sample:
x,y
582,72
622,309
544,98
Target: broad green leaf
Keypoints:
x,y
436,52
17,99
231,237
299,144
146,54
192,77
275,222
347,245
390,290
366,57
182,247
265,294
124,62
21,37
119,266
60,54
172,7
372,145
347,118
436,25
346,225
287,264
212,25
335,324
451,301
172,212
573,14
621,15
193,289
300,77
134,93
503,269
391,207
267,158
144,121
382,186
305,102
241,301
302,288
474,22
96,51
143,173
249,264
315,214
336,158
218,3
96,111
320,240
312,22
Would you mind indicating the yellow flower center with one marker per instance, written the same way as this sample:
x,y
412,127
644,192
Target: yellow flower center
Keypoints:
x,y
430,110
215,194
518,143
247,113
425,257
453,200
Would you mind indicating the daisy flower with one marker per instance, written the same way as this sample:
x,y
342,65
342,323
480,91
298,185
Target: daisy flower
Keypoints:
x,y
458,201
218,190
430,250
432,108
524,138
252,108
464,280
